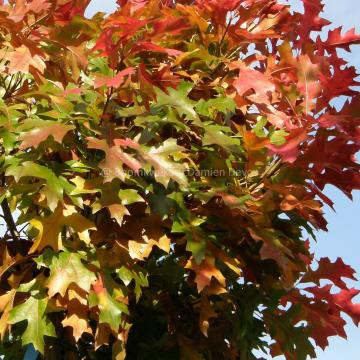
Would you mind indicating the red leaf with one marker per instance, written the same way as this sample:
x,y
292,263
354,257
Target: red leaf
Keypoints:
x,y
311,20
146,85
171,25
132,6
323,320
290,150
66,12
331,271
344,301
124,27
338,82
336,40
321,195
115,81
341,302
249,79
148,46
345,180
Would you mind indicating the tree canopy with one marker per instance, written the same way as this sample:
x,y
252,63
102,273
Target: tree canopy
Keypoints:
x,y
162,176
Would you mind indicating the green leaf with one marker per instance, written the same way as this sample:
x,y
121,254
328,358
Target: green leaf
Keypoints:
x,y
278,137
222,104
178,99
129,196
125,275
33,311
139,277
141,281
195,236
55,186
110,310
259,127
8,140
215,134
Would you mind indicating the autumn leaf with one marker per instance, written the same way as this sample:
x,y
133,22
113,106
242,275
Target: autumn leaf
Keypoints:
x,y
144,234
77,319
65,268
249,79
36,136
159,166
290,150
333,271
109,308
22,8
336,40
344,301
206,313
311,20
22,60
142,250
148,46
165,169
204,272
115,81
50,227
7,303
115,158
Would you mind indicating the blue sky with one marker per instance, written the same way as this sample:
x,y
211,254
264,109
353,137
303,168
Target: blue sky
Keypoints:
x,y
341,240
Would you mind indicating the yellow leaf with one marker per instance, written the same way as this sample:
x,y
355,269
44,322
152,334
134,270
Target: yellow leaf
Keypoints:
x,y
50,229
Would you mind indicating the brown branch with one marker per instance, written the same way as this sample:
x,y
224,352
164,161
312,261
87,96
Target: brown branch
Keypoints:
x,y
9,220
7,215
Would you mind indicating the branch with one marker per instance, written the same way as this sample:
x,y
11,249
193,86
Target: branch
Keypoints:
x,y
269,172
9,220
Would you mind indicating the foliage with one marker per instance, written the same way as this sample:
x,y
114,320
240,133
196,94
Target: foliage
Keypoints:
x,y
167,164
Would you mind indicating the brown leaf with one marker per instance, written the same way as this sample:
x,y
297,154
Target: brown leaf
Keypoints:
x,y
77,319
204,272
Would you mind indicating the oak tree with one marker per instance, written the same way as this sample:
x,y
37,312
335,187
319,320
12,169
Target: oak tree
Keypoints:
x,y
162,176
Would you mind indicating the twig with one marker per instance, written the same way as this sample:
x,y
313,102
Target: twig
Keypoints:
x,y
35,23
225,32
270,171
